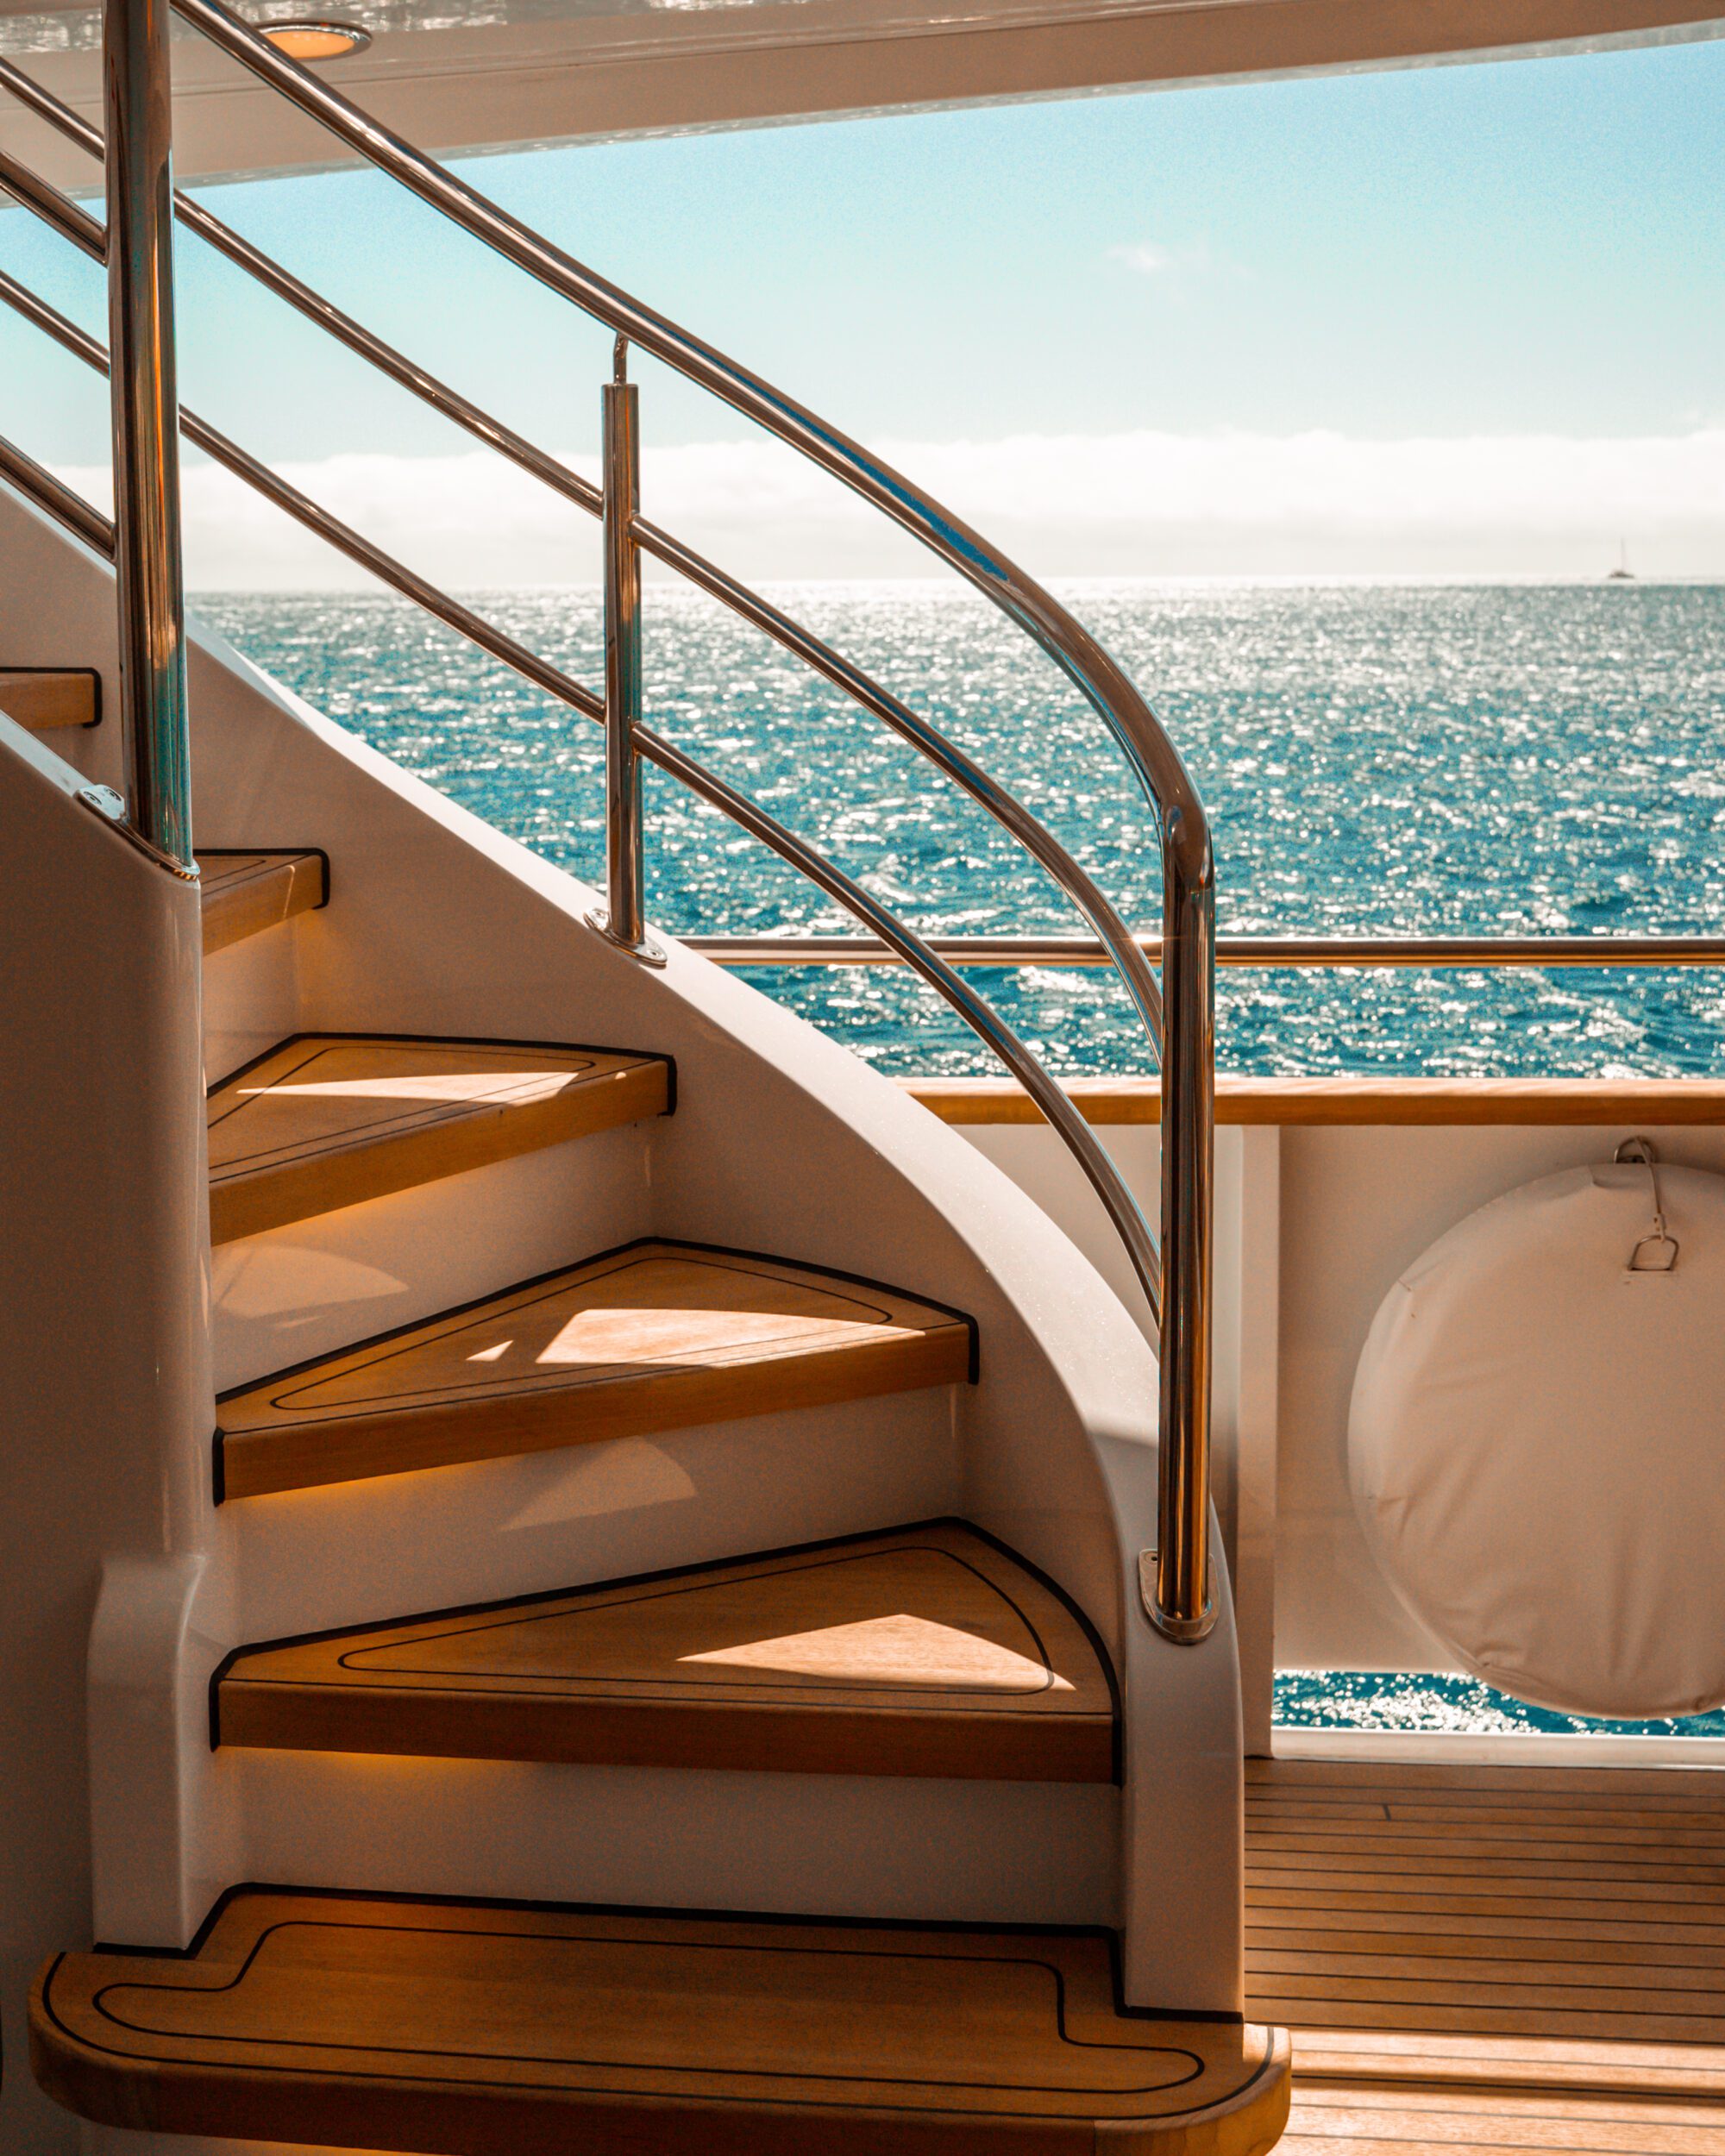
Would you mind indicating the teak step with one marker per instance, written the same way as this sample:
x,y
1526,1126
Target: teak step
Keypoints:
x,y
467,2028
44,698
930,1651
325,1120
244,894
655,1335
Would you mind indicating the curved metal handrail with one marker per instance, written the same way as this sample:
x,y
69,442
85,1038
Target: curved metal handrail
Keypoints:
x,y
1048,623
1117,1200
1122,1208
1124,950
1180,1021
65,215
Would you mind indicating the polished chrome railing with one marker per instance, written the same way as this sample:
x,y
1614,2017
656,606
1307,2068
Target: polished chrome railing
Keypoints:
x,y
138,105
1178,1015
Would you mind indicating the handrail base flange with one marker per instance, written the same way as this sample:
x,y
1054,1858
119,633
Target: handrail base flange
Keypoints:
x,y
1184,1631
645,949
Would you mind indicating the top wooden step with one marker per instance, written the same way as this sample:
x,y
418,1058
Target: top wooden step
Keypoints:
x,y
44,698
325,1120
246,892
474,2028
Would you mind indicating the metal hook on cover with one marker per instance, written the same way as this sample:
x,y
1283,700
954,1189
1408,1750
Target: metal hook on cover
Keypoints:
x,y
1660,1243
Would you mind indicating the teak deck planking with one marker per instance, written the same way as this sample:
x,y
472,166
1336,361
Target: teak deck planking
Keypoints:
x,y
928,1652
244,894
658,1336
469,2029
325,1120
1488,1959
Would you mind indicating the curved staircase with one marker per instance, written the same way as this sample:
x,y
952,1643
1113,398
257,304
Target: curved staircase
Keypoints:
x,y
632,1593
927,1658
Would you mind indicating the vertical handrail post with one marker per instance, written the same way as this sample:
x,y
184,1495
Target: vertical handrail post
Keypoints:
x,y
138,99
1183,1604
624,921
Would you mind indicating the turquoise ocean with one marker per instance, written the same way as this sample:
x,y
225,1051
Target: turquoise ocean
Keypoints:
x,y
1467,759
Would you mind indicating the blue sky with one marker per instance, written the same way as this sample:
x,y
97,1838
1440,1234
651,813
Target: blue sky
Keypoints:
x,y
1507,250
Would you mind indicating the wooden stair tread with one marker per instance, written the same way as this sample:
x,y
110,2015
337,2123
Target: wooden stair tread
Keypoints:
x,y
327,1120
243,893
41,698
655,1335
928,1650
465,2028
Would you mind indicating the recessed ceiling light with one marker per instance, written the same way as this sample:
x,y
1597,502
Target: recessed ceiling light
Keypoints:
x,y
316,40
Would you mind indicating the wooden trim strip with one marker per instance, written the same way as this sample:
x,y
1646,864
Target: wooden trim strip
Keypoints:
x,y
1587,1103
40,699
245,892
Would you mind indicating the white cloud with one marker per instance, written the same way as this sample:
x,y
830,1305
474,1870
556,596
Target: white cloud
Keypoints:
x,y
1147,257
1138,504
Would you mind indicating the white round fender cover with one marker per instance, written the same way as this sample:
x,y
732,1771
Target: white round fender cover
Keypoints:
x,y
1537,1442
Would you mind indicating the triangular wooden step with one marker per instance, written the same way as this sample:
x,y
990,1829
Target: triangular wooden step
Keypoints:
x,y
243,893
328,1119
43,699
473,2028
654,1336
929,1651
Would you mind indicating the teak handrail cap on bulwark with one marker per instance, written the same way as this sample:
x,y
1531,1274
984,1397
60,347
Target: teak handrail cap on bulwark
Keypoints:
x,y
1587,1102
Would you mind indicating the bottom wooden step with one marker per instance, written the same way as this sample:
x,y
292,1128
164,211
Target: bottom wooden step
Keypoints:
x,y
456,2028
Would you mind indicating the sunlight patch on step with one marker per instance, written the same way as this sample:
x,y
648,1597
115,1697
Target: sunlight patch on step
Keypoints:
x,y
493,1354
447,1087
625,1335
897,1650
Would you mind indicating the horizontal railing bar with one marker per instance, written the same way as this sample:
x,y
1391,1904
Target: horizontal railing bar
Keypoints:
x,y
1244,951
79,517
46,106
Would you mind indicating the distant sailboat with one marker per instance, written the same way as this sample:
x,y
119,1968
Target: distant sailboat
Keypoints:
x,y
1622,573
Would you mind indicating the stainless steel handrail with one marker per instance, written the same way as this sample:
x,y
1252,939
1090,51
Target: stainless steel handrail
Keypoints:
x,y
1181,1024
137,101
67,218
624,919
907,946
1603,951
1120,947
1181,1605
